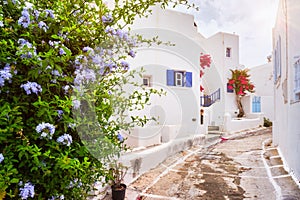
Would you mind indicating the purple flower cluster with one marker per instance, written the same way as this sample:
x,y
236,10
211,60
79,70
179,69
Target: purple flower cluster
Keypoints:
x,y
61,51
131,53
43,25
54,43
74,183
117,32
84,76
1,23
49,13
24,20
27,50
76,104
1,157
120,137
107,19
60,113
79,60
88,49
46,129
5,75
65,139
31,87
66,88
125,65
63,35
56,74
36,14
58,44
22,42
27,191
121,35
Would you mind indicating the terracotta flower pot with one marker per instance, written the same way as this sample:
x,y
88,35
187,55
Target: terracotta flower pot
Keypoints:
x,y
118,193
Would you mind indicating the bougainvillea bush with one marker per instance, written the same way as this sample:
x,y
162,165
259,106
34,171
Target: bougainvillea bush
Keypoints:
x,y
62,69
240,83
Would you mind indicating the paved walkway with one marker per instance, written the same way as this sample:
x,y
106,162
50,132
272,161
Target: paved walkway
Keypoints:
x,y
245,166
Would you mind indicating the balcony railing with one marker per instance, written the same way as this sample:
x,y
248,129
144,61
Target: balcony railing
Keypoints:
x,y
208,100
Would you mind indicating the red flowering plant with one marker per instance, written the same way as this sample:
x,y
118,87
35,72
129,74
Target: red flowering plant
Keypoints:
x,y
240,84
205,61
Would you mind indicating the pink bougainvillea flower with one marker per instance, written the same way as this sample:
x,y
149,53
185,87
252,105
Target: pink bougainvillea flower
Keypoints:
x,y
231,81
205,60
244,82
201,73
201,88
241,77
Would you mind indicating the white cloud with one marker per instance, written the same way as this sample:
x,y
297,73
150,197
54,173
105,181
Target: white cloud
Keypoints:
x,y
252,20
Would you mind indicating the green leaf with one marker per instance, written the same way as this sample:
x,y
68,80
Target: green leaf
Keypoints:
x,y
14,180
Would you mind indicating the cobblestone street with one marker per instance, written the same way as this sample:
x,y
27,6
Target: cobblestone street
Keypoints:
x,y
243,166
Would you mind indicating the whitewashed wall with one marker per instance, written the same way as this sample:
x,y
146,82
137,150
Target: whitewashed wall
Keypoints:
x,y
179,110
286,126
262,78
216,45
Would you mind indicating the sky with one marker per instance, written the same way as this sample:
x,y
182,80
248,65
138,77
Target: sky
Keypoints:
x,y
252,20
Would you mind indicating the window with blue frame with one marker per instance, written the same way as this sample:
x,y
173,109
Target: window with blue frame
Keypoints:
x,y
179,78
256,104
297,81
277,60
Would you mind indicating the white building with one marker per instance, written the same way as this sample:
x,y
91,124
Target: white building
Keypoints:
x,y
176,69
262,78
286,59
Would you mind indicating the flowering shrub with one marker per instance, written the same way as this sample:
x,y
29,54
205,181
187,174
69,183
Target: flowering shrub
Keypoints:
x,y
205,61
62,70
240,83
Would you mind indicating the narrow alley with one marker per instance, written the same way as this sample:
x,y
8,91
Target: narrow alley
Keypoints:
x,y
243,166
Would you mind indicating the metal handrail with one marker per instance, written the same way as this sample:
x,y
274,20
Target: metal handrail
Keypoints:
x,y
208,100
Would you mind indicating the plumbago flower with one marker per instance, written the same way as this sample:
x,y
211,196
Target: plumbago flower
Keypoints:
x,y
31,87
46,57
5,75
27,191
107,19
75,183
46,130
65,139
120,137
24,20
76,104
26,49
43,25
1,157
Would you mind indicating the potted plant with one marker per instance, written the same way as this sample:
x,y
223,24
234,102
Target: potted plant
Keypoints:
x,y
118,188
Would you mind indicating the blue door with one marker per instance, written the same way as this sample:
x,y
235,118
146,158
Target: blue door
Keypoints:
x,y
256,106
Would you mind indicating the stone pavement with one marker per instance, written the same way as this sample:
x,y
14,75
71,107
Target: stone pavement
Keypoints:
x,y
241,166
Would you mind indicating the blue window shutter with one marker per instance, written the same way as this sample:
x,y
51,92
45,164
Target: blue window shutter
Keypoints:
x,y
188,79
170,77
256,104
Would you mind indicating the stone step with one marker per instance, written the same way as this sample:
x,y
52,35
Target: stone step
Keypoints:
x,y
213,128
216,133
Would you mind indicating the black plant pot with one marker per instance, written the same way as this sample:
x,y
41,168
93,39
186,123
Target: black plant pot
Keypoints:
x,y
118,193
